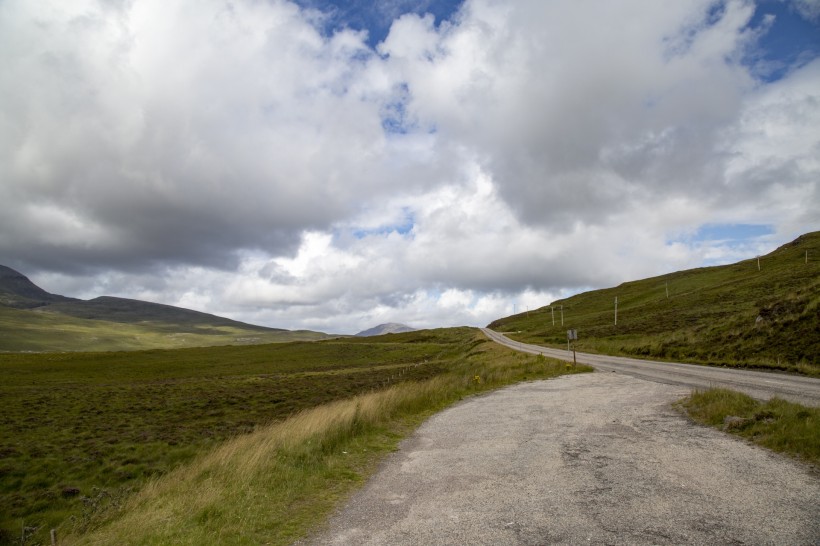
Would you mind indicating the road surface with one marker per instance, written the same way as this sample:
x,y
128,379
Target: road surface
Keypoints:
x,y
760,385
597,458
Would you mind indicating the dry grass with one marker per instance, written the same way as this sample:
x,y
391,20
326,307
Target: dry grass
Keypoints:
x,y
276,484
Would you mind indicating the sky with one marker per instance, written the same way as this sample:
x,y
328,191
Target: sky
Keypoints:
x,y
334,165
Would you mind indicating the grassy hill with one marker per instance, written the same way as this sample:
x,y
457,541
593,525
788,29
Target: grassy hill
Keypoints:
x,y
733,315
32,319
23,330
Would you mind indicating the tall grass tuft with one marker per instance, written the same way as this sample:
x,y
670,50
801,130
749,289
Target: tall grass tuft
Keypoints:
x,y
278,483
779,425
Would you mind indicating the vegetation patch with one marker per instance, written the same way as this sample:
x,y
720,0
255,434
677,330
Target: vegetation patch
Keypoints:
x,y
39,330
782,426
741,315
223,444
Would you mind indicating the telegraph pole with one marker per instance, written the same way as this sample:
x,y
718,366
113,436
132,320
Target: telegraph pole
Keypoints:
x,y
616,310
553,315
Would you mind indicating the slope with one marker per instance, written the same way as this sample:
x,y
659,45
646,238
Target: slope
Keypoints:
x,y
32,319
17,291
387,328
734,315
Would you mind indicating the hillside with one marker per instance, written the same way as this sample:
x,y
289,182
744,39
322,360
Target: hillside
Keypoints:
x,y
388,328
734,315
17,291
32,319
135,312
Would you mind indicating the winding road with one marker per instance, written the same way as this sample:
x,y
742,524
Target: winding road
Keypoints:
x,y
601,458
760,385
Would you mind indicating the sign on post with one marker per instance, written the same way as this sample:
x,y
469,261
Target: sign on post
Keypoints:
x,y
572,335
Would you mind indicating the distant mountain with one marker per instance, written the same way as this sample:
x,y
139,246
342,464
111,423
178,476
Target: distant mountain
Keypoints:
x,y
32,319
389,328
136,311
17,291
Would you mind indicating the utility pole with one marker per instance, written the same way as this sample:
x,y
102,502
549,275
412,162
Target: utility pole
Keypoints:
x,y
562,315
553,315
667,289
616,310
758,263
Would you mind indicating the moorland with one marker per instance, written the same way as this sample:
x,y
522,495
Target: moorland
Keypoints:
x,y
80,433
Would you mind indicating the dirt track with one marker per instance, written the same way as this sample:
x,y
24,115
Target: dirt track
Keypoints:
x,y
595,458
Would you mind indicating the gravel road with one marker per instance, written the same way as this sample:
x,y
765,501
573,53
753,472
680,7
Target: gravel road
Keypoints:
x,y
760,385
597,458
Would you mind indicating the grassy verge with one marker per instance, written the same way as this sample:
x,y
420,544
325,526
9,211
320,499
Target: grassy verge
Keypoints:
x,y
778,425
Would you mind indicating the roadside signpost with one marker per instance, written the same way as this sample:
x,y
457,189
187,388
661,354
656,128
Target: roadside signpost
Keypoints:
x,y
572,335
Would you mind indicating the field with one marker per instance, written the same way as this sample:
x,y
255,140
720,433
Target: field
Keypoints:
x,y
765,316
24,330
82,432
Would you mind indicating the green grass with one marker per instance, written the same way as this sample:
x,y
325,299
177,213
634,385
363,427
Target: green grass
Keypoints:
x,y
778,425
710,316
80,432
23,330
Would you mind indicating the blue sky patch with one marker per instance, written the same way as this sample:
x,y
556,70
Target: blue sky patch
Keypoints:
x,y
403,228
791,41
394,114
731,232
376,16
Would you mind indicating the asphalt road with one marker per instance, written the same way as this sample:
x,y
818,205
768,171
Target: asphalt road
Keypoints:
x,y
597,458
760,385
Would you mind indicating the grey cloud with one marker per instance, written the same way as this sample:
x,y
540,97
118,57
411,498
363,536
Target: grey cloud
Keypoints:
x,y
179,145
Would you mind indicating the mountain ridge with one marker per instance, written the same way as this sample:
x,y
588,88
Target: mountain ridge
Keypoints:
x,y
17,291
32,319
386,328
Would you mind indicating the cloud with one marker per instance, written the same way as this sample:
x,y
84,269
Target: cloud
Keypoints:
x,y
242,160
574,115
808,9
179,132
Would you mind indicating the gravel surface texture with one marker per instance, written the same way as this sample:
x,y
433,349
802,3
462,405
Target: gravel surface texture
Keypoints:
x,y
597,458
